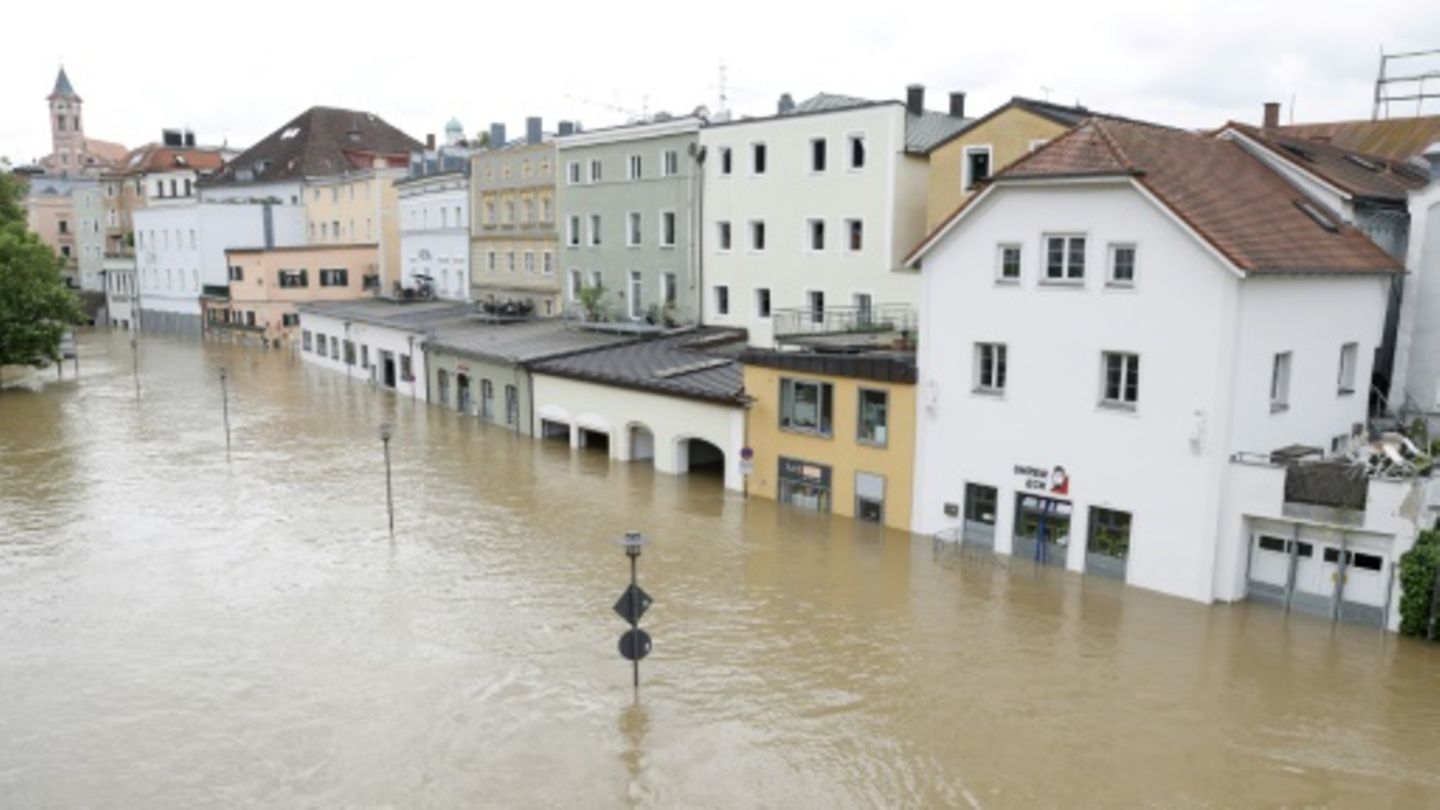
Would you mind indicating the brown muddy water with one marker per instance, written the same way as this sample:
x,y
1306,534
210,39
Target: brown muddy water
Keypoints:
x,y
179,631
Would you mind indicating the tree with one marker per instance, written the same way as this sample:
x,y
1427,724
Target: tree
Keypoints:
x,y
35,305
1417,583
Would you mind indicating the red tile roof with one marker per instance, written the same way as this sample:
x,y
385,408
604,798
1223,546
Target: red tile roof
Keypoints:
x,y
1394,138
1243,209
1372,177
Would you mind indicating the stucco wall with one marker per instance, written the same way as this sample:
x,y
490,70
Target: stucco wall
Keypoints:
x,y
499,375
1009,135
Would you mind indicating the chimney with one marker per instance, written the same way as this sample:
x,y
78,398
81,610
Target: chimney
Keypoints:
x,y
171,137
567,128
189,137
1272,114
957,105
915,99
532,130
430,142
497,135
785,105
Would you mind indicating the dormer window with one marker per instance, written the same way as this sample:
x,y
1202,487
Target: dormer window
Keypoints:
x,y
289,133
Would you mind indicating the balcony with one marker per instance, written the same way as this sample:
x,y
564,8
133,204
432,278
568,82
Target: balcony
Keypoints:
x,y
847,327
219,291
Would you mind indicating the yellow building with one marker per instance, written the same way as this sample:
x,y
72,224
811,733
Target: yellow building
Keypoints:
x,y
266,286
514,241
360,207
833,432
994,141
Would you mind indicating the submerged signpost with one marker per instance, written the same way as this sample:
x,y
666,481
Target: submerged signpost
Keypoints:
x,y
386,432
225,407
634,643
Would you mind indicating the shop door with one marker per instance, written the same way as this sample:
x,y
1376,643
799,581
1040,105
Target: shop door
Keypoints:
x,y
870,497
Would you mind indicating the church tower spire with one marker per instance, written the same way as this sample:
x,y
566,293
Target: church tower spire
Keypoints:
x,y
67,129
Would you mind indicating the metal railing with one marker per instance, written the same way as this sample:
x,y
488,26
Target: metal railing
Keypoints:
x,y
877,318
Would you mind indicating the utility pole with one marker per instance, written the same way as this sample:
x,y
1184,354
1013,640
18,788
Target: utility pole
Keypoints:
x,y
225,407
386,432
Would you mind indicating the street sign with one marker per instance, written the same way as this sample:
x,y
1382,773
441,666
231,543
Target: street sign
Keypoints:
x,y
747,453
634,644
632,604
747,466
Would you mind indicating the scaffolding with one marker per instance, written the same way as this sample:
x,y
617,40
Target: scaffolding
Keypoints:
x,y
1411,86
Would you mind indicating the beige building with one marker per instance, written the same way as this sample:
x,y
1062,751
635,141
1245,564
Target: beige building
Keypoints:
x,y
360,207
51,215
512,221
266,286
1001,137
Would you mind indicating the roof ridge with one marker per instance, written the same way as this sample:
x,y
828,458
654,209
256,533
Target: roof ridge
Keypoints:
x,y
1109,140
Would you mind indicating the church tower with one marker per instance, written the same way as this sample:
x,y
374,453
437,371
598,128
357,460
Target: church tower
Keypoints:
x,y
67,132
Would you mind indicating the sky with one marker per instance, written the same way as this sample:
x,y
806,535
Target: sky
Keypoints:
x,y
143,66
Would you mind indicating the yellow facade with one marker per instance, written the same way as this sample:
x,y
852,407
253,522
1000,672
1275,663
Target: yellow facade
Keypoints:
x,y
1011,134
358,208
841,452
514,244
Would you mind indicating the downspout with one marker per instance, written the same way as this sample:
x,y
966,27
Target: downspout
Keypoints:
x,y
697,241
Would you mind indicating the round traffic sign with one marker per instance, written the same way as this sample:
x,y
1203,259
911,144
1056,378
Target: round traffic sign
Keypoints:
x,y
634,644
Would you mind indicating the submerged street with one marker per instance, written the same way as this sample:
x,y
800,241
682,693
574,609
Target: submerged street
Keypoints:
x,y
179,630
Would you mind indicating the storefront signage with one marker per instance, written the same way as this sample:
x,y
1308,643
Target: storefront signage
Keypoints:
x,y
1053,480
804,471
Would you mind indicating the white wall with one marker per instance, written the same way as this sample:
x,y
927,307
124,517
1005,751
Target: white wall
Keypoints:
x,y
288,193
887,194
377,338
1417,358
614,410
442,252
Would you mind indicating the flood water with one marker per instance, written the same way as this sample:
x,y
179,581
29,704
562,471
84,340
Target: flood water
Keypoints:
x,y
177,630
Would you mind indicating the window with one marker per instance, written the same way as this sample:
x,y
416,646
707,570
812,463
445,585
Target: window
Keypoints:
x,y
512,405
1109,533
364,350
1349,354
817,154
349,352
671,165
816,300
1064,258
854,235
976,168
816,230
548,263
490,261
637,310
990,368
757,235
510,261
635,168
572,172
980,502
1121,384
1122,265
632,229
320,346
597,279
237,273
487,399
857,151
722,236
1280,383
667,289
667,229
727,165
864,309
757,158
294,278
596,175
874,424
722,299
334,278
594,230
1009,263
762,302
575,284
305,340
530,262
406,375
805,406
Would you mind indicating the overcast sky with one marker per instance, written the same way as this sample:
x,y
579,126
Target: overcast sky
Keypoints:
x,y
238,71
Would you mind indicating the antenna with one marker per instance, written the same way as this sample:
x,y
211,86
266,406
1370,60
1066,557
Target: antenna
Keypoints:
x,y
1045,91
724,95
1407,87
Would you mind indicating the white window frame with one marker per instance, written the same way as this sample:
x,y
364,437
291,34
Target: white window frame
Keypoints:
x,y
1120,404
575,281
1281,367
635,282
596,224
721,160
967,183
1349,368
715,299
810,293
850,152
597,279
573,236
670,163
999,371
669,283
1110,252
1035,143
635,167
634,229
573,174
810,223
1000,277
770,303
750,232
849,222
1065,279
674,230
725,245
597,171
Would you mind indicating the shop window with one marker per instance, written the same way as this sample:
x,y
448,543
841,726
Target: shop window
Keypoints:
x,y
980,504
874,417
805,406
1109,533
803,484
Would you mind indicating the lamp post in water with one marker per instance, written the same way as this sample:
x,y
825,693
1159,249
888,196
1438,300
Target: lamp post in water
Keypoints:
x,y
135,361
225,407
386,432
634,643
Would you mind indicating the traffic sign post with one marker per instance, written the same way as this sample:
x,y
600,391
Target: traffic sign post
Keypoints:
x,y
632,604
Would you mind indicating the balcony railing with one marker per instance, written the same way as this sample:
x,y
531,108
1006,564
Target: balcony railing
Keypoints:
x,y
807,323
221,291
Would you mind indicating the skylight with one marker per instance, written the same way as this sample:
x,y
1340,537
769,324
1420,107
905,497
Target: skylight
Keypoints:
x,y
1314,213
1364,163
289,133
1298,152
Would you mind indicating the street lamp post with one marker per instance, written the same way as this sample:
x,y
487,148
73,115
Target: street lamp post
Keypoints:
x,y
135,362
225,408
386,432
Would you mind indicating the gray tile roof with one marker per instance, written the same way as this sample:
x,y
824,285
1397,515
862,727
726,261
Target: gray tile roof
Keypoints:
x,y
825,102
922,132
320,142
698,364
517,343
414,316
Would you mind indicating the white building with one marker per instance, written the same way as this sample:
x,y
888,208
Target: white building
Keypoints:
x,y
435,230
379,341
1417,356
808,214
1111,330
120,291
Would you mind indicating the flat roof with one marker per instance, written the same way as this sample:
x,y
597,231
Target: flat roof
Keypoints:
x,y
518,343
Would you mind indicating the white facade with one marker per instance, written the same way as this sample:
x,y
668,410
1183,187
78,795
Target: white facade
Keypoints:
x,y
1207,342
180,249
87,197
575,408
120,291
435,233
809,214
387,356
1417,353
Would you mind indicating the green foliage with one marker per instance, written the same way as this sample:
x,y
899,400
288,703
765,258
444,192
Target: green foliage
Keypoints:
x,y
35,305
591,298
1417,583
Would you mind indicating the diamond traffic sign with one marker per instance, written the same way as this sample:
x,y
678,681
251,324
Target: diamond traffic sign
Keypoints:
x,y
634,644
632,604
